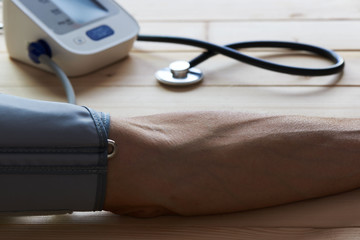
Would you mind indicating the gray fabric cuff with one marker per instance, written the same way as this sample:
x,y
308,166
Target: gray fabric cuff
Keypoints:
x,y
53,156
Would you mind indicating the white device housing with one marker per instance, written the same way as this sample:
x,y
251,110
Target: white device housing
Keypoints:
x,y
75,52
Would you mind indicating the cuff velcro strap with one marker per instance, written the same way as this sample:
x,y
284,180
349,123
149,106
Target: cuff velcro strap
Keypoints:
x,y
53,156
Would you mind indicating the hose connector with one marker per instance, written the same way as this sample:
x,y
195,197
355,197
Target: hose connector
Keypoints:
x,y
36,49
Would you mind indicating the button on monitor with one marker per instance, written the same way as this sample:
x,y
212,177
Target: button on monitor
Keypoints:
x,y
99,33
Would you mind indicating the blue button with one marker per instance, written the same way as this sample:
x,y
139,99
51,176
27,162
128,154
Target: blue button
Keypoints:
x,y
99,33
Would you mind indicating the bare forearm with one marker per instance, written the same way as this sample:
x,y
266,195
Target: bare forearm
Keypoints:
x,y
215,162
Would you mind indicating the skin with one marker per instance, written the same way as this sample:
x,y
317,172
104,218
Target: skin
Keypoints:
x,y
203,163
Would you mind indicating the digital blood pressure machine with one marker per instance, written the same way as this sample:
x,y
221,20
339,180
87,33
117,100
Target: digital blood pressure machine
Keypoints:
x,y
76,37
83,35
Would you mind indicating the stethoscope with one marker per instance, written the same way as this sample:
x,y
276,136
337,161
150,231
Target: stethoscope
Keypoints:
x,y
183,73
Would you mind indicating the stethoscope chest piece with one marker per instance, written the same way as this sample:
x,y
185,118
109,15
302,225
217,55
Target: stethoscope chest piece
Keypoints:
x,y
179,73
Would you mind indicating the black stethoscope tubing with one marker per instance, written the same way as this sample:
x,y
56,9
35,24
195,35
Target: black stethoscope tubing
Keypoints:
x,y
231,51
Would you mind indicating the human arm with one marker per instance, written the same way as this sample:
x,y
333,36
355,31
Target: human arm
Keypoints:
x,y
53,157
217,162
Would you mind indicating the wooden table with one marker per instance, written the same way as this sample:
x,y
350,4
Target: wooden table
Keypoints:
x,y
128,88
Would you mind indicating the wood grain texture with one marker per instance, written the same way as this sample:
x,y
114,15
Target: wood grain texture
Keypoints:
x,y
337,211
205,10
83,232
128,88
338,35
139,69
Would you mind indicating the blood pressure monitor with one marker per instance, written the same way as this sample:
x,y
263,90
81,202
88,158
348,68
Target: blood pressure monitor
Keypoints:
x,y
84,35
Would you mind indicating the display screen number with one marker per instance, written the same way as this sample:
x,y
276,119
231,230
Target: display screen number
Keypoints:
x,y
63,16
81,11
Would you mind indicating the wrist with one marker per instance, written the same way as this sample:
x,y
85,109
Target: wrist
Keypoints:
x,y
132,186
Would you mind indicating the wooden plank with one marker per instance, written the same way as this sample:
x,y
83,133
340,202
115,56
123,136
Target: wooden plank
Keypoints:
x,y
299,100
338,35
73,232
205,10
338,211
132,101
139,70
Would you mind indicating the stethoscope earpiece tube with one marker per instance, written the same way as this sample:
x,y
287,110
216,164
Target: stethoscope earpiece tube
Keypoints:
x,y
230,50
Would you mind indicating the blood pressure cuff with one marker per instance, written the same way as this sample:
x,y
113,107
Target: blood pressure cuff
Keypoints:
x,y
53,156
